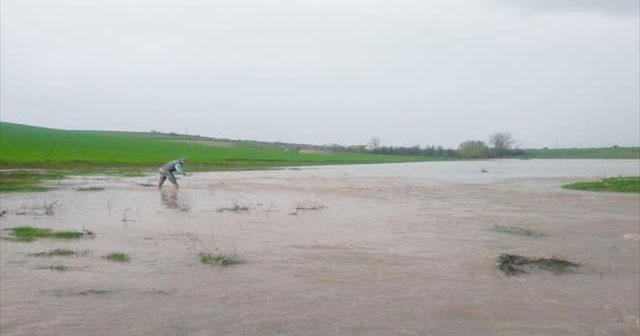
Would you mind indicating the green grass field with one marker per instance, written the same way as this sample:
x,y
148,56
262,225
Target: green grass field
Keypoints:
x,y
613,184
25,146
584,153
51,153
30,154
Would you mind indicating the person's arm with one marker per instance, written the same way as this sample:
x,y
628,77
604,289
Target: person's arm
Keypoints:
x,y
179,169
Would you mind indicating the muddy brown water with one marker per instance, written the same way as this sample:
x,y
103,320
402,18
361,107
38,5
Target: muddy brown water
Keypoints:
x,y
397,249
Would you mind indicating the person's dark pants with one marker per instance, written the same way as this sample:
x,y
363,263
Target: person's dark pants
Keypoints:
x,y
164,175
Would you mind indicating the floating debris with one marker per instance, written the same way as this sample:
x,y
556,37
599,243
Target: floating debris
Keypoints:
x,y
95,292
58,268
511,264
235,208
303,207
310,208
516,231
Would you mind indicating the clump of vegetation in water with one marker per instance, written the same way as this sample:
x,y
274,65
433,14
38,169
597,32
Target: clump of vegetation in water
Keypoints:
x,y
211,258
234,208
55,253
220,259
305,207
511,264
614,184
59,268
61,153
90,189
95,292
26,180
29,234
516,231
118,257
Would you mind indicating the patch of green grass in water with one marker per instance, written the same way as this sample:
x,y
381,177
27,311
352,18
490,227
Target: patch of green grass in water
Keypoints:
x,y
29,233
55,253
26,180
67,235
90,189
629,184
118,257
220,259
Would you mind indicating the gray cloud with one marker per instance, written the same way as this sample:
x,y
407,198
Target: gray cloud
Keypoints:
x,y
320,71
615,7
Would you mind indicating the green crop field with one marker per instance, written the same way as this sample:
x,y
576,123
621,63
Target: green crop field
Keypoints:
x,y
614,184
584,153
30,154
26,146
66,152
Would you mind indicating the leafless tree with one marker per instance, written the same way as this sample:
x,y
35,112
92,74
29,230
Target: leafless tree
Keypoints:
x,y
373,143
501,142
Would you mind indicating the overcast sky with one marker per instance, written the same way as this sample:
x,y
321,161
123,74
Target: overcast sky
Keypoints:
x,y
555,73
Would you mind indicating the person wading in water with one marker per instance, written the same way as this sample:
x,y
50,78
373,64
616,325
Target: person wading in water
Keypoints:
x,y
167,170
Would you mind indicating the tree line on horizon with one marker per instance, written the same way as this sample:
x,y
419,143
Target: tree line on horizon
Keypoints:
x,y
501,146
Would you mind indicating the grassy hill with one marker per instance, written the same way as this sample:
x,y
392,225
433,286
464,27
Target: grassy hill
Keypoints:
x,y
51,154
36,147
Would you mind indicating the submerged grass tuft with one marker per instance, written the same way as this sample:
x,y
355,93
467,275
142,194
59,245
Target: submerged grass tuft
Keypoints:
x,y
55,253
67,234
234,208
220,259
29,233
26,180
511,264
90,189
59,268
118,257
95,292
516,231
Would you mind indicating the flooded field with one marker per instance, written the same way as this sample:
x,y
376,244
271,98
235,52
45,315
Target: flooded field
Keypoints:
x,y
395,249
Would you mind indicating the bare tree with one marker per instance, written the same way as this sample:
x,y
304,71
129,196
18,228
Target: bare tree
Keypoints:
x,y
373,143
502,143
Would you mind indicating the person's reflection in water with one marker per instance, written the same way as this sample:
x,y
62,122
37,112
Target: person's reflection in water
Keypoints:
x,y
169,198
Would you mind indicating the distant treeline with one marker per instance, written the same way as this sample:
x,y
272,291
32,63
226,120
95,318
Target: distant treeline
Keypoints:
x,y
436,151
479,150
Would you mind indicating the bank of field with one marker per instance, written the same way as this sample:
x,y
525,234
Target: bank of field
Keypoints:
x,y
25,146
584,153
72,152
629,184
